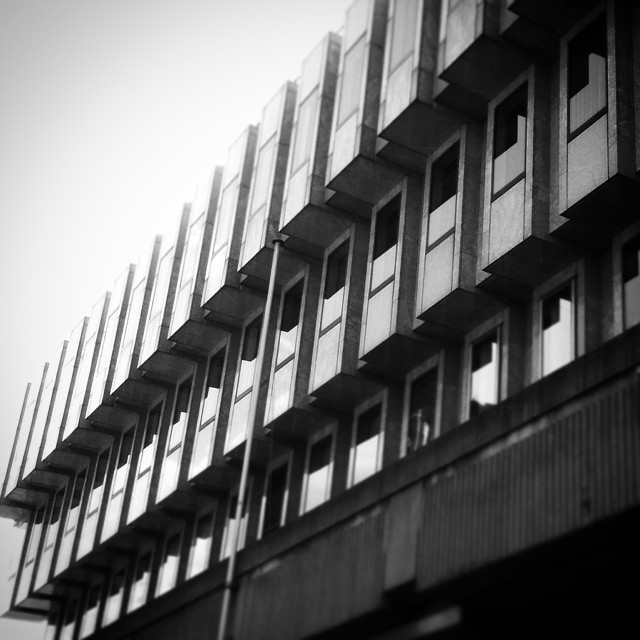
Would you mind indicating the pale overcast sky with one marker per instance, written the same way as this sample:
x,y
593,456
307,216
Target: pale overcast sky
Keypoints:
x,y
111,111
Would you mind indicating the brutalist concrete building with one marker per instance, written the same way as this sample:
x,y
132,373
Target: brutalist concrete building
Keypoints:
x,y
383,380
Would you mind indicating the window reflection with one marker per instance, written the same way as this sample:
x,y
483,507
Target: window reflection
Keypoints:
x,y
365,452
200,546
249,355
203,442
275,499
71,522
422,410
90,617
32,549
557,330
90,523
168,573
231,523
484,373
631,282
587,72
140,585
318,476
442,198
509,140
171,464
334,284
118,484
145,463
69,622
46,557
113,604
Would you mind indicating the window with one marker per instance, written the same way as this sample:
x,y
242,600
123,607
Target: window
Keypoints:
x,y
335,279
90,616
379,308
587,72
71,522
171,464
289,323
203,442
305,130
34,534
286,344
200,545
386,231
145,463
274,502
631,282
113,604
168,572
336,275
510,126
118,485
351,86
69,621
90,523
140,585
212,387
46,557
365,452
422,410
231,523
442,194
318,475
250,345
558,330
237,429
485,369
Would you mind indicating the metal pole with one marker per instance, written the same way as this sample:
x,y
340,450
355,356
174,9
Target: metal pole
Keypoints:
x,y
244,477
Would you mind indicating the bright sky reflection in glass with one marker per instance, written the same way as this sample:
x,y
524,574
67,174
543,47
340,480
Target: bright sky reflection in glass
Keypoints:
x,y
631,282
367,441
557,330
484,373
318,474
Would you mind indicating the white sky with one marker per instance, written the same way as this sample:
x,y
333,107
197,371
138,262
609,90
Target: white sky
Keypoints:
x,y
111,110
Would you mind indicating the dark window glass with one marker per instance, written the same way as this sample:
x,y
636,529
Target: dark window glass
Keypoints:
x,y
251,340
422,408
387,223
587,74
318,474
631,282
320,454
214,374
182,400
507,118
444,177
367,442
275,495
153,424
291,307
337,263
592,40
126,444
484,373
557,330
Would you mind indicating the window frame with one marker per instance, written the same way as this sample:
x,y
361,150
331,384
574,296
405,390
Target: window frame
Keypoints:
x,y
378,400
274,465
327,432
619,242
434,363
576,274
